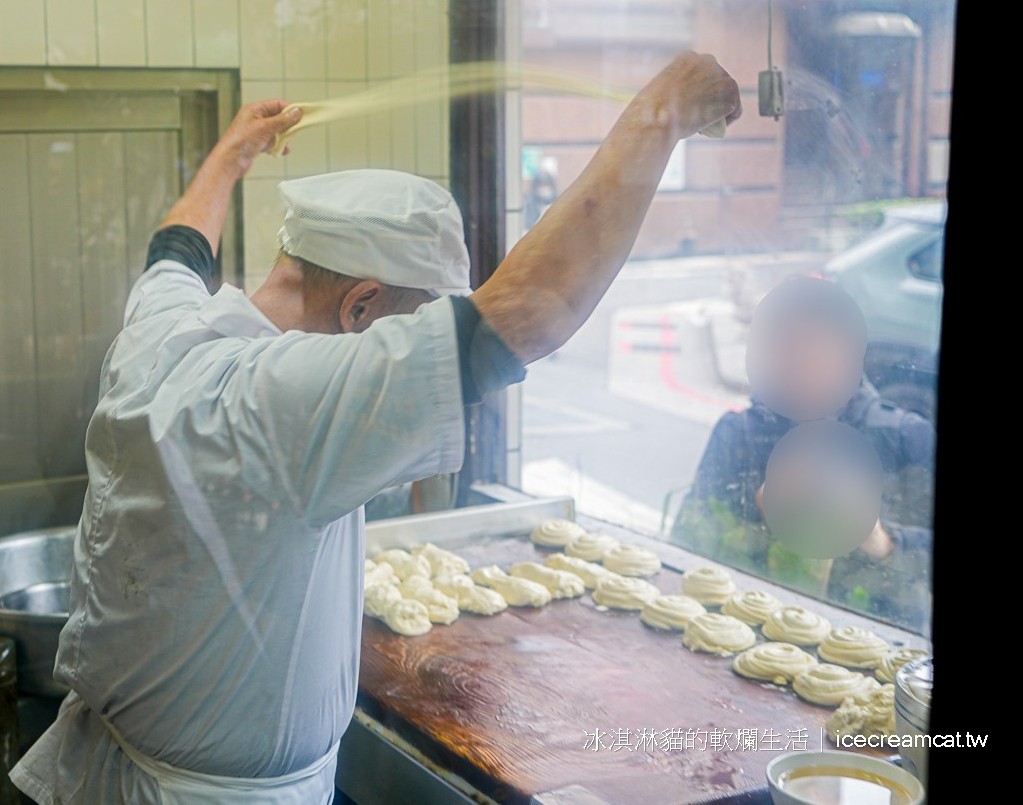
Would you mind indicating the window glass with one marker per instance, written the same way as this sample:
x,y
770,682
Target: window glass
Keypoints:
x,y
648,416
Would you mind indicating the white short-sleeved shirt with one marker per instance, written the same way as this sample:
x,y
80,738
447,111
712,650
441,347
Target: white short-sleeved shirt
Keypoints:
x,y
216,599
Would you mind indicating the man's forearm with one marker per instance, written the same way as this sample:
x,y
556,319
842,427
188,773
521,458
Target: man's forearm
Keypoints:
x,y
552,280
206,201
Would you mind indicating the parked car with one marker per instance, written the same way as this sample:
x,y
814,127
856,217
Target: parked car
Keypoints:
x,y
895,274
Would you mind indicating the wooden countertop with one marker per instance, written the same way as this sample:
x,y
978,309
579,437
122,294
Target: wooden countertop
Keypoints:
x,y
533,701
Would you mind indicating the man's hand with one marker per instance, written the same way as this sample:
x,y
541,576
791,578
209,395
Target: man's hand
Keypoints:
x,y
254,130
879,544
695,93
204,205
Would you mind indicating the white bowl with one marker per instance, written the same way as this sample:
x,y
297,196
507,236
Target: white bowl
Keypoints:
x,y
908,788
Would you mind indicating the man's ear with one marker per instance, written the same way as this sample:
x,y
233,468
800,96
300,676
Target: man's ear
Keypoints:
x,y
360,306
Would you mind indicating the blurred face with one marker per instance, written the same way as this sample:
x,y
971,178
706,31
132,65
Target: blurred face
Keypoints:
x,y
804,354
810,367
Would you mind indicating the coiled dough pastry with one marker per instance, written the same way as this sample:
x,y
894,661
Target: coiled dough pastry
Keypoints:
x,y
829,684
711,586
556,533
631,560
518,592
853,647
793,624
773,662
591,546
589,572
718,634
624,592
442,562
408,617
894,660
561,583
868,712
404,563
671,611
751,607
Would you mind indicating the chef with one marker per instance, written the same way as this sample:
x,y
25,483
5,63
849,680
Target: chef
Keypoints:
x,y
212,649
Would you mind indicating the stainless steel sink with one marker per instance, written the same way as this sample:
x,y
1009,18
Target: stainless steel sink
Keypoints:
x,y
35,570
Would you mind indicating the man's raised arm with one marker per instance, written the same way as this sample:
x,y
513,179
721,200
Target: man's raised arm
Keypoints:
x,y
553,278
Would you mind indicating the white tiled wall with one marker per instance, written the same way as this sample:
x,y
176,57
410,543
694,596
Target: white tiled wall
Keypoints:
x,y
293,49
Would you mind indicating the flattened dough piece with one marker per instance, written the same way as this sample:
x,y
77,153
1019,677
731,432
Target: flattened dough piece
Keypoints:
x,y
556,533
441,608
378,597
408,617
711,586
671,611
853,647
403,563
797,625
867,712
442,562
381,573
631,560
894,660
829,684
718,634
517,592
591,546
779,663
624,592
590,572
751,607
561,583
470,596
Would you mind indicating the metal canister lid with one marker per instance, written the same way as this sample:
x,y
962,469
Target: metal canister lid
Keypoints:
x,y
914,682
8,662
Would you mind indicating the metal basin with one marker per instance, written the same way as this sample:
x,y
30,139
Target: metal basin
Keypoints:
x,y
35,571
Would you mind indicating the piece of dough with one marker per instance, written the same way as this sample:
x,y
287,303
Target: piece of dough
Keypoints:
x,y
751,607
671,611
561,583
518,592
894,660
718,634
408,617
711,586
591,547
378,597
470,596
381,573
404,563
590,572
483,601
442,562
624,592
442,608
794,624
556,533
631,560
853,647
868,712
779,663
830,684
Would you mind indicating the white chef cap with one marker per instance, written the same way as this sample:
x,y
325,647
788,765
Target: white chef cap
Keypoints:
x,y
385,225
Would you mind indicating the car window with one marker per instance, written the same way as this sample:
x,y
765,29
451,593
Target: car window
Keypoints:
x,y
926,264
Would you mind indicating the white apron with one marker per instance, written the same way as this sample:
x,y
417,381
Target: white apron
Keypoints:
x,y
313,784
